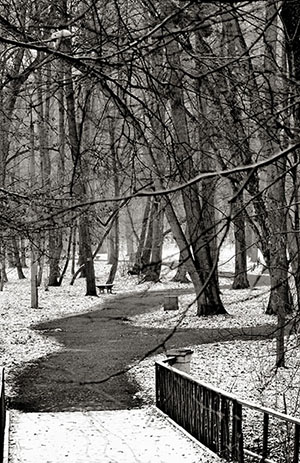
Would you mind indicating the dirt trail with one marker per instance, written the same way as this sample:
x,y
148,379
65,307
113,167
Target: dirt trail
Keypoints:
x,y
99,344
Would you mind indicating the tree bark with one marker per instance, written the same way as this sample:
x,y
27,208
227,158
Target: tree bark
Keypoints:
x,y
290,15
209,303
68,254
56,235
116,189
115,255
251,243
10,255
240,271
153,270
130,236
55,248
111,248
78,188
279,297
277,211
34,275
99,246
146,252
23,252
86,244
180,275
17,259
3,275
137,267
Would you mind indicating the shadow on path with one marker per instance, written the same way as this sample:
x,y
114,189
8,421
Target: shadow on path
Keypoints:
x,y
98,344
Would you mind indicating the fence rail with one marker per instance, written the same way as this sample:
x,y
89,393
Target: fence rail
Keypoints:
x,y
2,414
216,418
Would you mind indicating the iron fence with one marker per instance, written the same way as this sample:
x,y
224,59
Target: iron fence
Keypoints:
x,y
235,429
2,414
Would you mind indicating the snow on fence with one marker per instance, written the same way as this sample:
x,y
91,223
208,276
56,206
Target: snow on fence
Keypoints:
x,y
2,415
232,428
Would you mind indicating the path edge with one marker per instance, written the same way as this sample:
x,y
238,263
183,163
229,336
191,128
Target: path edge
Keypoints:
x,y
187,434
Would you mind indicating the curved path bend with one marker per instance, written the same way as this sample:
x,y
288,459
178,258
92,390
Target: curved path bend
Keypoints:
x,y
100,344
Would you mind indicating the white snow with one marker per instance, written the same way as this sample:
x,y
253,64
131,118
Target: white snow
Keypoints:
x,y
245,368
121,436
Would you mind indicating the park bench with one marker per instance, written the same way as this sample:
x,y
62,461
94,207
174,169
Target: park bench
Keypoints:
x,y
108,287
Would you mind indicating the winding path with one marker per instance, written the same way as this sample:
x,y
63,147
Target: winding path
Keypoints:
x,y
100,344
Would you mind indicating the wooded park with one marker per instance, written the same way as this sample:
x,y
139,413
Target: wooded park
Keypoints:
x,y
174,120
152,136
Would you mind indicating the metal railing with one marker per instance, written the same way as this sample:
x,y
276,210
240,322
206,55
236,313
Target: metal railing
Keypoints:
x,y
232,428
2,414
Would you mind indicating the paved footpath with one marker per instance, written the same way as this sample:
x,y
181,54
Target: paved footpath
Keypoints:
x,y
86,374
121,436
77,414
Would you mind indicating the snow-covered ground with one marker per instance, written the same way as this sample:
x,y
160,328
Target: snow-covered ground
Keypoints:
x,y
120,436
245,308
245,368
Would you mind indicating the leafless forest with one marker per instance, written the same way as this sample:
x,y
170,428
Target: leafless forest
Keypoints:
x,y
128,123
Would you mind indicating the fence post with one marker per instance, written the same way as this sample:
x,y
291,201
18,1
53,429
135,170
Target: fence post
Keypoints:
x,y
182,359
237,433
296,444
211,416
2,414
225,428
265,436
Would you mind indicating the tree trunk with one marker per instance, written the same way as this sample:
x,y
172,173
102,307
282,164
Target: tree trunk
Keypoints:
x,y
111,248
81,257
146,252
137,267
251,243
55,250
279,300
290,15
270,213
99,246
33,237
130,236
41,265
180,275
10,256
85,239
115,255
74,241
116,190
240,272
78,187
195,251
200,285
43,117
34,276
56,235
210,302
153,271
279,297
293,246
68,253
23,252
3,275
17,259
